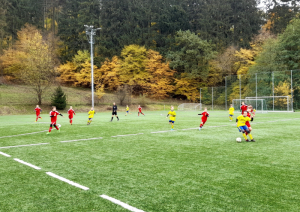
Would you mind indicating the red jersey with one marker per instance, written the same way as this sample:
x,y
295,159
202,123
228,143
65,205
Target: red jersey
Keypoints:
x,y
140,109
205,115
38,110
53,115
244,108
71,112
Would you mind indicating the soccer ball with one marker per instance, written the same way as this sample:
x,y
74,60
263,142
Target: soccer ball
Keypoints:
x,y
239,140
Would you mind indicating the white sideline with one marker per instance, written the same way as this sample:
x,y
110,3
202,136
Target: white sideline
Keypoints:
x,y
85,139
27,164
118,202
126,135
4,154
67,181
7,147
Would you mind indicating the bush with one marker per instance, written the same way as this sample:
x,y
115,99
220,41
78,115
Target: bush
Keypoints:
x,y
59,99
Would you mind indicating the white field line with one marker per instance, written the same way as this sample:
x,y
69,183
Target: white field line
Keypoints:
x,y
118,202
126,135
10,136
163,131
4,154
7,147
85,139
27,164
67,181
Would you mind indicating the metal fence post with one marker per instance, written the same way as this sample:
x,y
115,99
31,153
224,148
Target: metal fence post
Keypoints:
x,y
240,89
200,100
292,103
226,93
212,98
273,89
256,89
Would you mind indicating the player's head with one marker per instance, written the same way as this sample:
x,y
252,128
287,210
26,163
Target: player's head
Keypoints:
x,y
249,109
250,106
53,108
205,109
139,105
230,105
37,105
172,108
71,107
92,108
243,103
114,103
126,105
245,113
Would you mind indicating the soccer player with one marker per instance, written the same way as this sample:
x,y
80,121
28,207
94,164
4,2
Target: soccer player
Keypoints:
x,y
231,112
241,125
53,114
71,113
172,115
140,110
244,107
114,112
38,111
127,110
204,115
91,115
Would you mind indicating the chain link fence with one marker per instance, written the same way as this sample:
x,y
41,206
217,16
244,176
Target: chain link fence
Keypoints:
x,y
281,90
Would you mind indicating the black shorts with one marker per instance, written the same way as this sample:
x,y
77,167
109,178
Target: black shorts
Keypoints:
x,y
114,113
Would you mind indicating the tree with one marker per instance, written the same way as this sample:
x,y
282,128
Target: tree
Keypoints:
x,y
59,99
34,61
160,76
188,87
192,56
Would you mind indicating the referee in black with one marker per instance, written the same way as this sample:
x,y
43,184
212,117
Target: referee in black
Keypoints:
x,y
114,112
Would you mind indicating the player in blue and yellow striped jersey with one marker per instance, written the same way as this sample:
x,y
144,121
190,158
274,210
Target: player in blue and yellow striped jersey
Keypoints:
x,y
241,125
231,112
172,118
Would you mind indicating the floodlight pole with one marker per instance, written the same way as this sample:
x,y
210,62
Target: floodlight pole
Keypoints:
x,y
90,31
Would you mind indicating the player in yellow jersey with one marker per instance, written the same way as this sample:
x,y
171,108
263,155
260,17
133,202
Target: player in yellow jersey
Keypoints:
x,y
231,112
172,115
127,110
241,125
91,115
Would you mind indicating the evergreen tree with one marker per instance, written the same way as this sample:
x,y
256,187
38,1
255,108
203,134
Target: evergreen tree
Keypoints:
x,y
59,99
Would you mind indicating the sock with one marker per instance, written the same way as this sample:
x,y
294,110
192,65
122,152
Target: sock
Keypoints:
x,y
244,135
251,137
201,125
50,129
37,118
112,118
143,113
172,126
56,127
71,121
118,117
138,114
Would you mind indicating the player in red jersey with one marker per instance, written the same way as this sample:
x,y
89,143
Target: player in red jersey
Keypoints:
x,y
204,115
53,114
250,114
244,107
71,114
38,111
140,111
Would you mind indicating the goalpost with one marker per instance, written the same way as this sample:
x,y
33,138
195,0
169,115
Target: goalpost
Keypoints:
x,y
258,104
190,106
276,103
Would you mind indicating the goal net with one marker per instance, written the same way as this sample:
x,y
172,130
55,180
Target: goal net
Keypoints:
x,y
258,104
190,106
276,103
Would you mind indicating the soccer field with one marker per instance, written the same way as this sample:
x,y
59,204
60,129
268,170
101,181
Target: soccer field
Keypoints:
x,y
140,162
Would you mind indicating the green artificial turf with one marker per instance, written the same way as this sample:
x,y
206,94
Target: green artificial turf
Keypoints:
x,y
181,170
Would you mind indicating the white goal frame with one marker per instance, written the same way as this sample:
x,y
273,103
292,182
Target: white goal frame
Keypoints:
x,y
190,106
247,101
272,98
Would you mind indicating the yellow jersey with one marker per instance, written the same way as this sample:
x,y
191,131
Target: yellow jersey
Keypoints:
x,y
242,120
91,114
231,111
127,108
172,115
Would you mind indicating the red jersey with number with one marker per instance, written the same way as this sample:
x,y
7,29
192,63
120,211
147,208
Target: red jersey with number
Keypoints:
x,y
244,108
71,113
38,110
140,109
53,115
